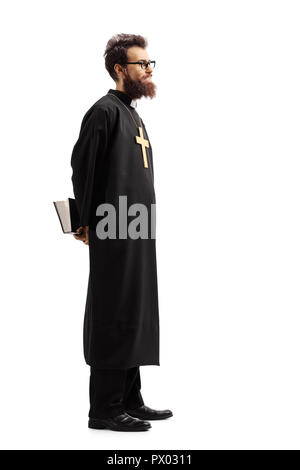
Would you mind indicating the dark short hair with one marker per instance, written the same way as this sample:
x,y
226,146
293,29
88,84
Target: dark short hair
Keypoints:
x,y
116,50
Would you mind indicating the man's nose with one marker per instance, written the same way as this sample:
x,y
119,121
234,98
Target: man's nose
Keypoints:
x,y
149,68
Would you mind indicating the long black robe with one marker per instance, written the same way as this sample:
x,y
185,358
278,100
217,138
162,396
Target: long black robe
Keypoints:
x,y
121,320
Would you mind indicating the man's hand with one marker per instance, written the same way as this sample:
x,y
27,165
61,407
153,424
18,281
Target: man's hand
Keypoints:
x,y
83,234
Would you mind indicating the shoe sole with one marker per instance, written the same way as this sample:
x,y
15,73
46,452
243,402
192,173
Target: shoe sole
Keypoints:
x,y
99,426
102,426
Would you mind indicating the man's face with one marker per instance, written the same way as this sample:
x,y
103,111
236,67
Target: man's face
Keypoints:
x,y
137,82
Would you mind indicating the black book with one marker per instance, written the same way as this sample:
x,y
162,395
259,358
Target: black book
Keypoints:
x,y
68,215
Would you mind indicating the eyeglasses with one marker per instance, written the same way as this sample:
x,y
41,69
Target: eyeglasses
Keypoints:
x,y
143,64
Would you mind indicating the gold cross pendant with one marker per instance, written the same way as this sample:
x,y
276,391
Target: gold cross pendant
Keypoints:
x,y
144,143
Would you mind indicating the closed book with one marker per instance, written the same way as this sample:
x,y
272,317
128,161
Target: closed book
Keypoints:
x,y
68,215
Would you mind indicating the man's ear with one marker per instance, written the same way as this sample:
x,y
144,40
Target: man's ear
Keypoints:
x,y
119,70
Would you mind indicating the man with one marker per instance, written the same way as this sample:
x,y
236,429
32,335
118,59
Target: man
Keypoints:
x,y
112,159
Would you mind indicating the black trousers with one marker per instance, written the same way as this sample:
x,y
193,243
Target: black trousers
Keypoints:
x,y
114,391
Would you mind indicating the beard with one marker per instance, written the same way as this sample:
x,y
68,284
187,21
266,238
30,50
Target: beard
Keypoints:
x,y
138,88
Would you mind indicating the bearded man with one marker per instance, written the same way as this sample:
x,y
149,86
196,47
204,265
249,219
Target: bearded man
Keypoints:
x,y
112,159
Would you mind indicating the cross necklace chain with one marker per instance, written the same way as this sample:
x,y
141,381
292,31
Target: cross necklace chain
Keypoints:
x,y
139,138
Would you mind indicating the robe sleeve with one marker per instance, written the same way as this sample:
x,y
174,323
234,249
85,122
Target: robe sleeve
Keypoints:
x,y
89,149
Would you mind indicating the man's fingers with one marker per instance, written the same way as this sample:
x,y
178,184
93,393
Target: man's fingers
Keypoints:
x,y
82,235
79,237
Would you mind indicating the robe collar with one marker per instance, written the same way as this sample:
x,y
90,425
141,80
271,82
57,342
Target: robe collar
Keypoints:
x,y
124,97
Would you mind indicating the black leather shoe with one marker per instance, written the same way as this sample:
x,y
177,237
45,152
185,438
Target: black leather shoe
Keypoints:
x,y
144,412
122,422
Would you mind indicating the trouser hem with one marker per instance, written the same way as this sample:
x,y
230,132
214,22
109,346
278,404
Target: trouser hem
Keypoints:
x,y
107,414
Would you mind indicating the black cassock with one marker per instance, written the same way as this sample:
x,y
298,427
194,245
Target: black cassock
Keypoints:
x,y
121,320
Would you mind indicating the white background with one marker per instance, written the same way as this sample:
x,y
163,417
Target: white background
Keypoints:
x,y
224,128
